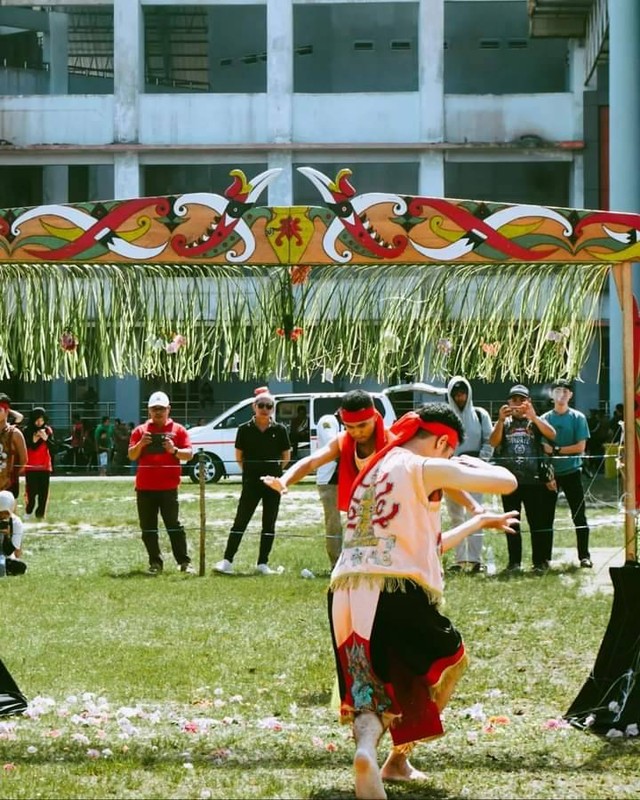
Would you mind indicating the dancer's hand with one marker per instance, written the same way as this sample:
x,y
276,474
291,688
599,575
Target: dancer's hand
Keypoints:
x,y
274,483
501,522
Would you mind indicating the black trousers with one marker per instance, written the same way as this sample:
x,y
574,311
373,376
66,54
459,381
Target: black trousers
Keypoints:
x,y
571,484
254,491
37,492
165,502
539,504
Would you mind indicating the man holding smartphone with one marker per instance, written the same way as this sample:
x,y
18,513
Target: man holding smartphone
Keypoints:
x,y
160,445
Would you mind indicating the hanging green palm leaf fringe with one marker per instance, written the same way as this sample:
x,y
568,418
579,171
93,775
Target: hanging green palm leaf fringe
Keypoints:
x,y
526,322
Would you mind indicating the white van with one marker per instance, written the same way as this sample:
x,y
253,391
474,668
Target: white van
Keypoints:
x,y
217,438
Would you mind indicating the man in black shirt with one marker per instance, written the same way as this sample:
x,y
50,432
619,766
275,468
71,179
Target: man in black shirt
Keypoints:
x,y
262,448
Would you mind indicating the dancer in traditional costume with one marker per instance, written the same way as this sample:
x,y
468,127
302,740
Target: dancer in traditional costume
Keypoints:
x,y
398,658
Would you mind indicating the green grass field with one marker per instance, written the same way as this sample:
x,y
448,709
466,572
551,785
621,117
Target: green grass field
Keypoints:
x,y
220,687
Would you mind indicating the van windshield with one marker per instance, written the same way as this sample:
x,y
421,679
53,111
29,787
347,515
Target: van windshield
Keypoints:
x,y
239,417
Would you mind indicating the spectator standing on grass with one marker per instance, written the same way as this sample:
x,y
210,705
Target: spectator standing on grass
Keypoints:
x,y
13,450
477,425
517,441
40,449
328,429
104,444
397,657
121,436
615,423
77,436
12,532
572,434
160,445
262,448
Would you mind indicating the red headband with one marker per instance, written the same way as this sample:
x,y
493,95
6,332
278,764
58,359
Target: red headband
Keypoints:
x,y
5,405
440,429
360,415
405,428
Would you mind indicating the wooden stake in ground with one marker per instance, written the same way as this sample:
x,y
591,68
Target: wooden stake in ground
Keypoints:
x,y
203,513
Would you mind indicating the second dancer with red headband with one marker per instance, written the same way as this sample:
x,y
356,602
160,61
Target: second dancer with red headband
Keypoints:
x,y
363,437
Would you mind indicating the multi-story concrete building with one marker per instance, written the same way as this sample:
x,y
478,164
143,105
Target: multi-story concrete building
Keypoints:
x,y
498,99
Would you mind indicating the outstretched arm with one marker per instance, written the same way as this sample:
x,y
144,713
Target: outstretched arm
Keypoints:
x,y
303,467
467,474
487,519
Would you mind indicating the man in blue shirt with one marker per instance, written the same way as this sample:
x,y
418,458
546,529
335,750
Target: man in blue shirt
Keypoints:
x,y
572,433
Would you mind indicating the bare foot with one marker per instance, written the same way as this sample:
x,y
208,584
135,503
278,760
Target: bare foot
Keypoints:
x,y
368,781
398,768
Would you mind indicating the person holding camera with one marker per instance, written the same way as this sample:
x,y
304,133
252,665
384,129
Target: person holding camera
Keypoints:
x,y
517,439
11,530
160,445
40,448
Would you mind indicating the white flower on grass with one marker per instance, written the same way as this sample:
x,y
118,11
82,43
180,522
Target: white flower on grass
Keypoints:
x,y
129,711
494,693
219,703
270,723
107,752
39,706
236,698
71,700
293,709
205,794
218,691
475,712
632,729
472,737
188,765
127,727
93,753
614,733
32,749
80,738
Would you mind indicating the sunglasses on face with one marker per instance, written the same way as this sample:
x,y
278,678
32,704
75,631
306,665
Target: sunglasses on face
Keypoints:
x,y
268,406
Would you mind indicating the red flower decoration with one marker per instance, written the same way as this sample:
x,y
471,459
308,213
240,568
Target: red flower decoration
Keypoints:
x,y
68,342
280,331
295,334
299,274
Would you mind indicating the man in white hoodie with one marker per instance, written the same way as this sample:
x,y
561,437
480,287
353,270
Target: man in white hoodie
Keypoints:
x,y
478,426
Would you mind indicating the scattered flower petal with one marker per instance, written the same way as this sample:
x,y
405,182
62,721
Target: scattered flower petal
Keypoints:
x,y
632,729
614,733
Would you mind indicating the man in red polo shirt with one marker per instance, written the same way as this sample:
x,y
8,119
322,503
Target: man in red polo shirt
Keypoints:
x,y
159,446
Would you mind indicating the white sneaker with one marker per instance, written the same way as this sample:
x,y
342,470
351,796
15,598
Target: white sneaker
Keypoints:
x,y
265,569
224,566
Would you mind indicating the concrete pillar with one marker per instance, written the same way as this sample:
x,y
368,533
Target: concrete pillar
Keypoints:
x,y
280,70
577,89
128,67
56,52
126,176
624,157
431,93
280,192
55,184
